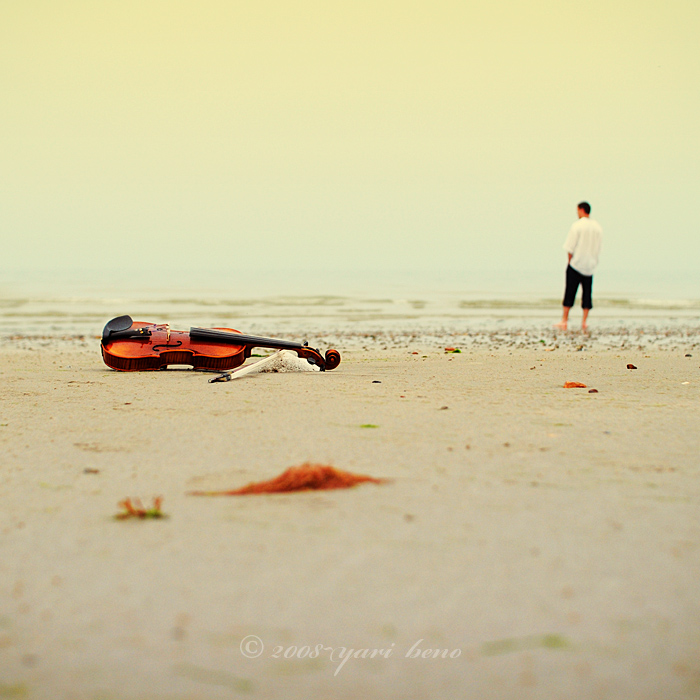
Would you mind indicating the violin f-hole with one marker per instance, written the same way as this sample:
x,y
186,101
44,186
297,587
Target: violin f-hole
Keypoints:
x,y
167,345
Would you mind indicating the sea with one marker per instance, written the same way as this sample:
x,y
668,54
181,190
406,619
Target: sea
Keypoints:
x,y
341,305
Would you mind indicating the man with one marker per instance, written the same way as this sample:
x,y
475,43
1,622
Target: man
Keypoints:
x,y
583,248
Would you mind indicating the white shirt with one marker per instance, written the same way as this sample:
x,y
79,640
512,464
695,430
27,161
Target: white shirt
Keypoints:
x,y
583,242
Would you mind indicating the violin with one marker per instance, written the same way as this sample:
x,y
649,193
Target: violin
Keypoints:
x,y
133,346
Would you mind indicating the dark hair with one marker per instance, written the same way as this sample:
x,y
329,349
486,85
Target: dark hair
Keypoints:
x,y
585,206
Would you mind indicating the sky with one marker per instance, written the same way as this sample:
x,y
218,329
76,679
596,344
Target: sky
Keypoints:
x,y
368,136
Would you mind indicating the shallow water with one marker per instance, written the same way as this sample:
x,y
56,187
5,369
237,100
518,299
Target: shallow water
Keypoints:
x,y
79,303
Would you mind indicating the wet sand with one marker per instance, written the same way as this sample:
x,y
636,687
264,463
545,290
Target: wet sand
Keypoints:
x,y
544,542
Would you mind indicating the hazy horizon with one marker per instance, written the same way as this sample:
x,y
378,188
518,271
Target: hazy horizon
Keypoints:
x,y
359,137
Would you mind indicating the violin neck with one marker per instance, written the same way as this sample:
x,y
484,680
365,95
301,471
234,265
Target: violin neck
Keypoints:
x,y
213,336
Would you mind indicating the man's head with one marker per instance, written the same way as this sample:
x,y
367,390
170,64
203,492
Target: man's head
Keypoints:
x,y
584,209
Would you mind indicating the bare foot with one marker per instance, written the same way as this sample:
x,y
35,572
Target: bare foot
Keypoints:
x,y
584,328
562,325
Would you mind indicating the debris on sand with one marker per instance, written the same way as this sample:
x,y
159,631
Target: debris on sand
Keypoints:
x,y
135,509
307,477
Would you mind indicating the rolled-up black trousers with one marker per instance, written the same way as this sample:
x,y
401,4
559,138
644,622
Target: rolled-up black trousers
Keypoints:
x,y
573,279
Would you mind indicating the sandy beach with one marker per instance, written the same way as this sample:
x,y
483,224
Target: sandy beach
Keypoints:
x,y
544,542
390,180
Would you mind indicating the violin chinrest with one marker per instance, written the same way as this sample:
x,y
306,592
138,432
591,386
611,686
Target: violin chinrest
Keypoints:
x,y
120,323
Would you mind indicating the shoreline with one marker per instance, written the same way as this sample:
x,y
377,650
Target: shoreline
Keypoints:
x,y
680,336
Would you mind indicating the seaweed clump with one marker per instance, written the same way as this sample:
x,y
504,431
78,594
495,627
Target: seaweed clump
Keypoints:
x,y
306,477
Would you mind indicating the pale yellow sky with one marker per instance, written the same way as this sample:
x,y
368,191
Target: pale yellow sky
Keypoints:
x,y
347,134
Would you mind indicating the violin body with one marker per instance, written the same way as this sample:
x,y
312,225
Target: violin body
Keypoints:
x,y
134,346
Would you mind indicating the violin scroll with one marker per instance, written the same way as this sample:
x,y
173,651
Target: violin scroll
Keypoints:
x,y
332,359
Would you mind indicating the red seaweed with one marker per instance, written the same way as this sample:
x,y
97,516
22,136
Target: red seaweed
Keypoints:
x,y
307,477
